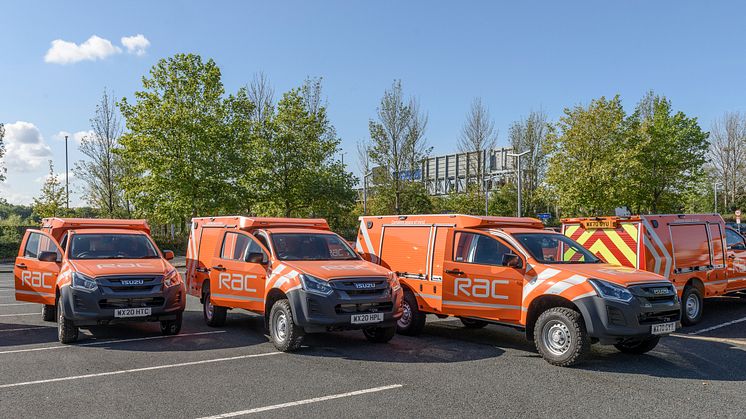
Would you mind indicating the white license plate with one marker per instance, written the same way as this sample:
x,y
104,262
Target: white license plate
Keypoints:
x,y
663,328
132,312
367,318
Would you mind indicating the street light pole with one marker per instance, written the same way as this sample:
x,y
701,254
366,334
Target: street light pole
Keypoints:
x,y
518,171
67,180
365,192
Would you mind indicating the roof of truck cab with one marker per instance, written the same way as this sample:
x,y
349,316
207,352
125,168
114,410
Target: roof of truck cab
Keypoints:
x,y
459,220
58,226
285,230
106,231
519,230
250,223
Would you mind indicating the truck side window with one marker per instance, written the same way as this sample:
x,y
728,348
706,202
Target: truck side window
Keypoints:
x,y
32,246
479,249
234,246
731,238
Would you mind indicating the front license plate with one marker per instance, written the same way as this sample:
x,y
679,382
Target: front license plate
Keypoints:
x,y
664,328
367,318
132,312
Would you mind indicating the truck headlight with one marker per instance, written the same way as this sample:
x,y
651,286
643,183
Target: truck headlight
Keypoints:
x,y
83,282
611,291
171,279
315,285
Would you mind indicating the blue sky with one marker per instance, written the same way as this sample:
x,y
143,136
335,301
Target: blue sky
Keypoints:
x,y
517,56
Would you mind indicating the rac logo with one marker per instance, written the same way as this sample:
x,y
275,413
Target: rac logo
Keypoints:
x,y
36,279
480,288
235,282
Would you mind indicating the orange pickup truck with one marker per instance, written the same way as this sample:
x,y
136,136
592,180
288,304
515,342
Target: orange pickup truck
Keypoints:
x,y
302,277
90,272
697,252
511,271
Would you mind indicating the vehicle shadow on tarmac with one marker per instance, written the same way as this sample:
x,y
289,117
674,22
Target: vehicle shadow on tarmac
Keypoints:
x,y
239,331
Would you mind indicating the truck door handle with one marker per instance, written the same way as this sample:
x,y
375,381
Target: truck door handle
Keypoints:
x,y
219,268
202,270
455,271
21,265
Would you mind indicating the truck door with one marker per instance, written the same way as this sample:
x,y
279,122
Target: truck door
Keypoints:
x,y
238,273
477,281
37,267
736,264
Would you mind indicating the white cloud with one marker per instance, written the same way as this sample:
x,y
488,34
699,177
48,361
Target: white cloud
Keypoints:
x,y
136,44
95,48
77,136
25,148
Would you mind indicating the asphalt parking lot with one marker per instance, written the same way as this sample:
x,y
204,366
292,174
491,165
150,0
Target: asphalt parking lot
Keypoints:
x,y
449,371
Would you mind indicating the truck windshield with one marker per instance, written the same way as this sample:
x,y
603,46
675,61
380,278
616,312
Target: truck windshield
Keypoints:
x,y
112,246
555,248
310,246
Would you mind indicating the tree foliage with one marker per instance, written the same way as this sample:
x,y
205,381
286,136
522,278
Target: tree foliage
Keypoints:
x,y
398,146
669,153
102,171
589,161
531,134
51,201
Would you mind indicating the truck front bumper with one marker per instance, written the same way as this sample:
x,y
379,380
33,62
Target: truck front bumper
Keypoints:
x,y
613,322
90,308
317,313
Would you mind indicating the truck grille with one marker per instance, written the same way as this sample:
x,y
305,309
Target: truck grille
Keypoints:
x,y
362,287
660,317
150,283
111,303
364,308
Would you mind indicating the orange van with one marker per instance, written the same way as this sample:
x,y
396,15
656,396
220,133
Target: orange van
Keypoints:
x,y
697,252
297,273
90,272
511,271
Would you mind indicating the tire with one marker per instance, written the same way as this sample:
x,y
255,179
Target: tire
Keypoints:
x,y
412,320
214,315
379,334
638,347
472,323
48,313
67,332
560,337
283,332
692,304
172,327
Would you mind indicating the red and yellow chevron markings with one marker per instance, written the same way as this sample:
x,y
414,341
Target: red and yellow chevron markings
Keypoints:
x,y
616,246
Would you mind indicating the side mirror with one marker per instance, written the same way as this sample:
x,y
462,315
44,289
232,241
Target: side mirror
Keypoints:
x,y
512,261
48,257
257,257
168,254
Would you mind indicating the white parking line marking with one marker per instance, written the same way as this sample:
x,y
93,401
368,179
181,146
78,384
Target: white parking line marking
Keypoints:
x,y
20,314
25,328
157,367
711,339
743,319
15,304
104,342
302,402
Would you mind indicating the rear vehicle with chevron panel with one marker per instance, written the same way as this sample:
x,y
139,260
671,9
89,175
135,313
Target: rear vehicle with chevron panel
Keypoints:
x,y
297,273
510,271
697,252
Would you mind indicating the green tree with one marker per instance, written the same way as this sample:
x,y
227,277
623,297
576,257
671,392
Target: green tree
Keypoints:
x,y
183,151
531,134
669,154
590,165
51,201
398,145
297,174
470,202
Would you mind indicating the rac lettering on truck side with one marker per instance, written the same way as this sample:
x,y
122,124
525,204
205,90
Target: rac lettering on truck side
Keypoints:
x,y
480,288
36,279
235,282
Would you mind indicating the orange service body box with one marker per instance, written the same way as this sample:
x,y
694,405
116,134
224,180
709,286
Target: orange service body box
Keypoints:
x,y
512,271
697,252
296,272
